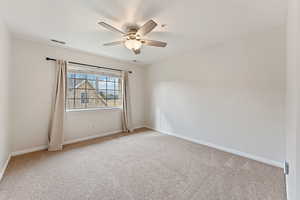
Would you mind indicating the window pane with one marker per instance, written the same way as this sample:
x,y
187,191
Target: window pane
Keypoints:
x,y
96,103
83,98
112,79
71,83
92,94
110,94
102,93
91,103
118,102
101,102
70,104
92,91
102,85
80,75
117,94
117,86
70,93
79,83
71,75
110,86
110,102
78,104
78,93
91,84
91,76
102,78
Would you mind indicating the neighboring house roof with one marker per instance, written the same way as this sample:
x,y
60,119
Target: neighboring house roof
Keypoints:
x,y
98,95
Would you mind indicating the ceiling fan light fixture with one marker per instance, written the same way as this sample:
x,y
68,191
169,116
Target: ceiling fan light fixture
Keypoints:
x,y
133,44
133,37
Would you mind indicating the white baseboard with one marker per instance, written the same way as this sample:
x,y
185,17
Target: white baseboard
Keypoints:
x,y
138,127
37,148
91,137
43,147
229,150
2,170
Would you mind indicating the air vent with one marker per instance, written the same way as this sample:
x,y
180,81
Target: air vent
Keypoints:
x,y
59,42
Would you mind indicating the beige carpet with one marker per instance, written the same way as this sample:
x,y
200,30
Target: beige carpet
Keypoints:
x,y
140,166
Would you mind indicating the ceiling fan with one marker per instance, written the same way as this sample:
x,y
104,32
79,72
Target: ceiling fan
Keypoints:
x,y
132,37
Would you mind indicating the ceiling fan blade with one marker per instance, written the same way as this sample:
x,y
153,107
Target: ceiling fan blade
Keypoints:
x,y
154,43
111,28
136,51
146,28
113,43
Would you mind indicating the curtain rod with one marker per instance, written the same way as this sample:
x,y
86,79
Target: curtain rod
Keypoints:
x,y
83,64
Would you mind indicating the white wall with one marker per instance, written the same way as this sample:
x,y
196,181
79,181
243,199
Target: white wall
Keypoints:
x,y
33,83
293,100
231,95
5,70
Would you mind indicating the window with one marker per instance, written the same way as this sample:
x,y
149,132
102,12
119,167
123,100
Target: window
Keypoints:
x,y
84,98
88,90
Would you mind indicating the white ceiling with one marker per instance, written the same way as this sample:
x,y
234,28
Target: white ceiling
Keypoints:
x,y
191,24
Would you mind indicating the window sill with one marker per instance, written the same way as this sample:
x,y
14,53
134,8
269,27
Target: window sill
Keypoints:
x,y
94,109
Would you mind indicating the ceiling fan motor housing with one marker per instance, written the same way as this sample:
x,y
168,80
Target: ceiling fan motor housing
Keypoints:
x,y
132,38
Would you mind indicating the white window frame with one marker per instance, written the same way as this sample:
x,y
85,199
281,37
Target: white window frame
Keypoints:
x,y
98,73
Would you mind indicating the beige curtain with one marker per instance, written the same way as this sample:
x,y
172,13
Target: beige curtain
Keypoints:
x,y
126,112
56,135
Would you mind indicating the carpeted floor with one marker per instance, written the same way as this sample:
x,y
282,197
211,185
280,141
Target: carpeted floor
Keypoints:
x,y
140,166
